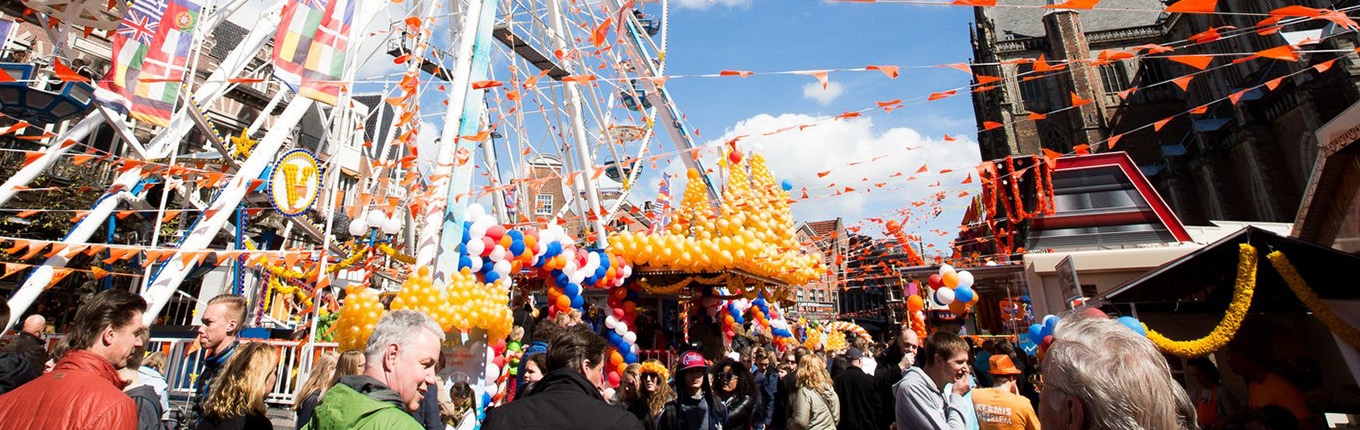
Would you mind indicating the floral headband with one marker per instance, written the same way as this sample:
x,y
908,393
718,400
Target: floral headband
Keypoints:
x,y
656,368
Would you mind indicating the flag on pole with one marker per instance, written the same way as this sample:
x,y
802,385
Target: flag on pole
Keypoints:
x,y
150,52
661,208
310,46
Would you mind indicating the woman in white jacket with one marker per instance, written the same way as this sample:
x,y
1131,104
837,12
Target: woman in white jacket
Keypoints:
x,y
815,405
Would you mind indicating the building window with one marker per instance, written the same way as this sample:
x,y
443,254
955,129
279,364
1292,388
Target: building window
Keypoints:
x,y
543,204
1031,87
347,184
1113,77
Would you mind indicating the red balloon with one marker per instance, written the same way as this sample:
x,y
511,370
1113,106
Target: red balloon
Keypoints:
x,y
489,244
734,156
495,232
618,311
614,378
936,281
1048,340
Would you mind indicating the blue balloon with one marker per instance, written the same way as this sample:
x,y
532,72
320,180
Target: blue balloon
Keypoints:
x,y
562,279
1133,324
963,294
552,249
786,185
630,358
487,266
516,248
490,277
1036,333
1046,332
515,235
589,280
578,301
572,290
464,262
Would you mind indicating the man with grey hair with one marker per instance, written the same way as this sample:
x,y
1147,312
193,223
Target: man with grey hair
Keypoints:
x,y
1099,374
401,355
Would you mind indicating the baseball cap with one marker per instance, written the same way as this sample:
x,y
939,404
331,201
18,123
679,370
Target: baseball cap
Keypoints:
x,y
692,360
854,354
1002,365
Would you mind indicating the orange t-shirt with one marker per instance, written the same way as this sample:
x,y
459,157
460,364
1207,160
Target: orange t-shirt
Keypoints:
x,y
1003,410
1275,390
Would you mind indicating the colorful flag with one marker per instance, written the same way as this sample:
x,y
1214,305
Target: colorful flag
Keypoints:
x,y
151,49
310,46
660,215
7,27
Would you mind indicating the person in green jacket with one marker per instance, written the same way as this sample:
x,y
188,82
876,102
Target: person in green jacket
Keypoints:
x,y
401,354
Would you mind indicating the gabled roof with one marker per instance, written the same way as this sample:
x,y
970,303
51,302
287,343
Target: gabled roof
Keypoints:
x,y
1103,201
1203,280
1028,20
822,228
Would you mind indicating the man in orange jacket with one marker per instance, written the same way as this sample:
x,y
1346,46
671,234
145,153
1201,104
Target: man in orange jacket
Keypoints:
x,y
84,390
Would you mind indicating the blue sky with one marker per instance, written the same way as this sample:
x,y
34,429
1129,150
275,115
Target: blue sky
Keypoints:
x,y
707,36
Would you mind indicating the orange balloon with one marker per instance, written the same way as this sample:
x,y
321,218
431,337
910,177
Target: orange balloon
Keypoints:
x,y
950,279
563,302
915,303
958,307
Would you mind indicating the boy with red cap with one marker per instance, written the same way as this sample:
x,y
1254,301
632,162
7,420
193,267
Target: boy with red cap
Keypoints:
x,y
695,407
1002,407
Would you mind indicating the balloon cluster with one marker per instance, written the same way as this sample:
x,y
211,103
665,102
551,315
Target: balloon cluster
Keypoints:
x,y
782,336
492,251
835,341
478,305
813,341
953,289
731,320
752,231
357,318
760,311
569,271
622,339
418,293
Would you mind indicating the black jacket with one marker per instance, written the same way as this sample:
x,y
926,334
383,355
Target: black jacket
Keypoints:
x,y
148,407
428,413
688,413
564,400
15,370
248,422
31,348
780,417
740,412
885,376
859,402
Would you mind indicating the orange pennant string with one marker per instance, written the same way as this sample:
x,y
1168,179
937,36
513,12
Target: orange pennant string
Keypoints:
x,y
890,71
990,125
1035,116
741,73
1183,82
1157,126
1113,140
1197,61
1193,6
1282,52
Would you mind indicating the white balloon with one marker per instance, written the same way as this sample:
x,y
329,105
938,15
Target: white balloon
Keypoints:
x,y
476,230
965,279
357,227
620,329
944,296
619,282
376,218
498,253
476,264
475,211
503,268
476,247
540,249
946,269
492,372
391,226
633,348
610,322
630,337
577,277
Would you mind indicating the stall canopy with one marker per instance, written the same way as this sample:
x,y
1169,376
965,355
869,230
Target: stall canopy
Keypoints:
x,y
1203,281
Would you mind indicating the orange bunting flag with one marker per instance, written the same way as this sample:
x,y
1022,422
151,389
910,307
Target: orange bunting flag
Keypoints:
x,y
66,74
1157,126
1282,52
1199,110
1074,4
1107,56
79,216
923,169
1197,61
30,157
984,79
742,73
1193,6
601,32
1035,116
1275,83
1042,66
16,127
940,95
1183,82
1082,149
1209,35
967,180
962,67
822,77
1235,97
481,136
1113,140
1153,48
989,125
1051,156
891,71
1296,10
1323,66
28,213
848,115
580,79
975,3
57,275
888,106
823,174
1078,101
481,85
12,268
948,138
98,272
1126,93
984,88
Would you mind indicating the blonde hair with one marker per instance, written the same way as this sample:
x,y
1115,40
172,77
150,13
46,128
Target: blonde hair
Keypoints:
x,y
656,401
155,360
347,364
239,389
318,380
812,373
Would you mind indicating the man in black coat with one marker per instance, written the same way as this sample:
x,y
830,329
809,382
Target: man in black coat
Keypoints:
x,y
899,357
855,389
29,344
787,385
568,397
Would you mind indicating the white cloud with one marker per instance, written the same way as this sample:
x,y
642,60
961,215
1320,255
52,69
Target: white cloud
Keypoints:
x,y
705,4
823,96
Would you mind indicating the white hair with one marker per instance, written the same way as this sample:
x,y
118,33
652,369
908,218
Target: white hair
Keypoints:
x,y
1121,380
401,328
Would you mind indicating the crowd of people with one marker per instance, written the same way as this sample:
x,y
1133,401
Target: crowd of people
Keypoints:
x,y
1097,374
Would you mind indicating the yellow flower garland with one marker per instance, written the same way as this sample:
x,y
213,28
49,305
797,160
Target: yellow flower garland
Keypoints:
x,y
1232,319
395,255
1305,294
655,367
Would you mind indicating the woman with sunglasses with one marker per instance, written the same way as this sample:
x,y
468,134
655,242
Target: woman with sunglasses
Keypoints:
x,y
654,385
736,389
